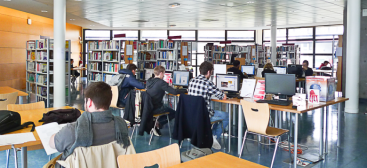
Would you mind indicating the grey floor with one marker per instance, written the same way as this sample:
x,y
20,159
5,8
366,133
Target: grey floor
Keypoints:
x,y
351,152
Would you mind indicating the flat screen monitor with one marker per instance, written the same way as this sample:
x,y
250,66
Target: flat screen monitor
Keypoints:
x,y
181,78
295,69
148,73
248,69
228,82
280,70
280,84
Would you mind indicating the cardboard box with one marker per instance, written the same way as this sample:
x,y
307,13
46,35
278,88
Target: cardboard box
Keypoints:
x,y
326,86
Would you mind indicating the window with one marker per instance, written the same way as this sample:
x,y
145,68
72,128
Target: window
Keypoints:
x,y
241,35
241,44
306,46
327,32
97,34
130,34
153,34
300,33
211,35
319,59
200,60
281,34
324,47
185,35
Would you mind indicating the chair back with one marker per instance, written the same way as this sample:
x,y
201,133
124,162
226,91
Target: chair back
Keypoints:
x,y
256,115
164,157
7,98
115,96
30,106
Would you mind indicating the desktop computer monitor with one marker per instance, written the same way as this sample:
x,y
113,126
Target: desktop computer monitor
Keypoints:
x,y
248,69
280,84
280,69
228,82
295,69
181,78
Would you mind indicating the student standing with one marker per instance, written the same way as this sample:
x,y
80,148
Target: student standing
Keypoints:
x,y
129,83
236,70
202,86
306,70
268,68
157,88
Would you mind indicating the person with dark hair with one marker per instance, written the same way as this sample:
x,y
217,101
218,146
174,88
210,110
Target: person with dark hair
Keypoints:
x,y
96,126
268,68
325,64
202,86
306,70
129,83
236,70
73,72
157,88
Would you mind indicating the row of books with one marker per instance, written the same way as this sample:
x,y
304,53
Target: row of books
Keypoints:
x,y
31,77
102,44
41,67
147,56
95,66
169,65
219,56
95,56
41,79
95,45
95,77
150,65
31,66
42,91
112,44
111,67
110,56
166,55
286,48
166,44
36,44
151,45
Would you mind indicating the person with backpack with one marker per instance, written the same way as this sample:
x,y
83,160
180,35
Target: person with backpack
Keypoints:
x,y
129,83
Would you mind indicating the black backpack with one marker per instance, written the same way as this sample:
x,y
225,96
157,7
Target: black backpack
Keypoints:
x,y
10,122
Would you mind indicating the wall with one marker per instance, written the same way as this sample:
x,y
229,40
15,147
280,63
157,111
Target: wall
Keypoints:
x,y
14,32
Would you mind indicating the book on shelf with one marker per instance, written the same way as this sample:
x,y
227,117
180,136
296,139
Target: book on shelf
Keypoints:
x,y
41,56
110,56
166,55
95,76
169,65
166,44
151,65
95,45
95,56
42,67
111,44
42,91
67,44
31,66
111,67
41,79
95,66
31,77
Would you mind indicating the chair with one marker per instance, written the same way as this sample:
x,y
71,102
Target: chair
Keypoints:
x,y
6,99
156,116
115,98
257,119
30,106
164,157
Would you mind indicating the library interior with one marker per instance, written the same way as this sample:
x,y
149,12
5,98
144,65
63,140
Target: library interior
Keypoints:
x,y
183,83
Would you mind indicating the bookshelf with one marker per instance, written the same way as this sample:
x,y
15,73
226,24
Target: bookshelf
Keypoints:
x,y
288,54
147,58
167,54
104,60
39,70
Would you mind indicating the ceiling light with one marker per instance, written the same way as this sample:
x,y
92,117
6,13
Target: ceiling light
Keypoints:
x,y
91,25
78,0
210,20
88,11
250,2
138,11
44,11
173,25
7,0
140,21
72,19
240,11
173,5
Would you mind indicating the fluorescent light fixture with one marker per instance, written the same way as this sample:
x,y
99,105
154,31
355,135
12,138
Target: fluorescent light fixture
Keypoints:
x,y
174,5
72,19
173,25
250,2
7,0
44,11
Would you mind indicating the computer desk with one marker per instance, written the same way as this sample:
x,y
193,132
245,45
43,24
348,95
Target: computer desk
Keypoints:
x,y
309,107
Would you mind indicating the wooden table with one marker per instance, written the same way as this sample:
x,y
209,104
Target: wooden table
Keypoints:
x,y
7,89
34,116
218,160
309,107
322,71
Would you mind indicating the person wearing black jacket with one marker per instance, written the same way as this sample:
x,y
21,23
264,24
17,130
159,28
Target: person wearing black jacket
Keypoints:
x,y
306,70
268,68
235,69
156,88
129,84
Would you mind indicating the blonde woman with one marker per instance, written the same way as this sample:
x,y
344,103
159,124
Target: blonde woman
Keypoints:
x,y
268,68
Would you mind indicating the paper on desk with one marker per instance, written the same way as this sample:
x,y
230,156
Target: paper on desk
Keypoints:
x,y
11,139
45,132
248,86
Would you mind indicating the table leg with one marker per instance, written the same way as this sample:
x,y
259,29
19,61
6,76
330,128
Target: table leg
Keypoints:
x,y
276,118
295,140
326,114
321,146
240,126
20,99
339,120
229,128
280,123
24,157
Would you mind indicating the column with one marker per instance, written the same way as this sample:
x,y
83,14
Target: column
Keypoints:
x,y
353,55
59,52
273,43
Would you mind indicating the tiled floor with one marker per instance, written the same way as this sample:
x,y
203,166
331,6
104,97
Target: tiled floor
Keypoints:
x,y
351,153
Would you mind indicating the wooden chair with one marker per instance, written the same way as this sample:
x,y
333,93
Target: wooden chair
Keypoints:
x,y
115,98
6,99
257,119
30,106
164,157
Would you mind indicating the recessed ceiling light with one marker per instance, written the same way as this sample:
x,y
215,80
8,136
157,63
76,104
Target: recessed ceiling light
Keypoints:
x,y
250,2
137,11
88,11
44,11
240,11
173,5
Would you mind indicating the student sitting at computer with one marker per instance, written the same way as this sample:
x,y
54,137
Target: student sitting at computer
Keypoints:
x,y
306,70
325,64
235,69
96,126
268,68
129,83
201,86
156,88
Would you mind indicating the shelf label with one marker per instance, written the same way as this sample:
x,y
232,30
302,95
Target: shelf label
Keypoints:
x,y
129,59
185,59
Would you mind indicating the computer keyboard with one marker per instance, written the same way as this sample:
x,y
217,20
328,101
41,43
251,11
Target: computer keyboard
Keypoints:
x,y
232,95
276,102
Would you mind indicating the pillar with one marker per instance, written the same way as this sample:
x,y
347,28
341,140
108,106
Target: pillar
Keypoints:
x,y
353,55
59,52
273,42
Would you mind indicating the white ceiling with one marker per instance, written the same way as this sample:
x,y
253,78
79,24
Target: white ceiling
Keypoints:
x,y
231,14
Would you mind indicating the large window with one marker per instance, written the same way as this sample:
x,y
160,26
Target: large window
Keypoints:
x,y
97,34
211,35
153,34
281,35
185,35
300,33
241,35
130,34
327,32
